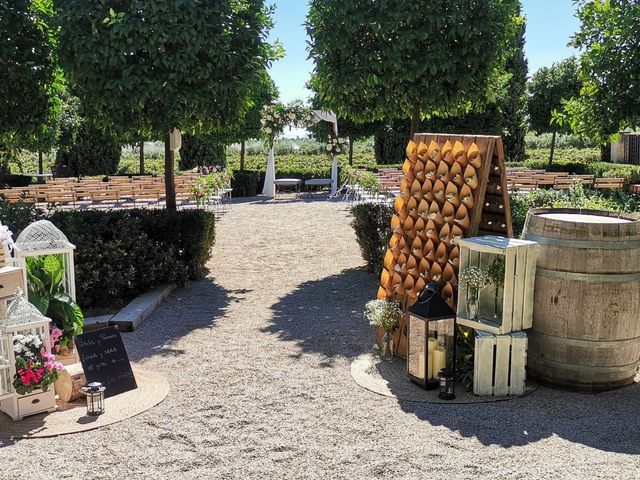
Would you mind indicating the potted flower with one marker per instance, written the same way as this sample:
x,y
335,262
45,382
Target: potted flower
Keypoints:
x,y
475,279
384,314
35,367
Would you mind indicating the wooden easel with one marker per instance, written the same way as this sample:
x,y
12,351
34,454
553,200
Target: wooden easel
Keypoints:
x,y
489,215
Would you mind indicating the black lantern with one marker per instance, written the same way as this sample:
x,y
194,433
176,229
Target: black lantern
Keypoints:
x,y
95,398
447,384
432,338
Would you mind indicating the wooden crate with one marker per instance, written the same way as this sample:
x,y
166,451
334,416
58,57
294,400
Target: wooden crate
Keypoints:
x,y
499,364
515,300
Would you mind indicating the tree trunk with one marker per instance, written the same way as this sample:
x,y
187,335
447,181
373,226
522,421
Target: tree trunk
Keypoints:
x,y
141,157
242,148
70,382
169,180
553,148
415,119
40,163
351,141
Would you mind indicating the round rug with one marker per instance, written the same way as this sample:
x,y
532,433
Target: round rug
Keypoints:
x,y
390,380
72,418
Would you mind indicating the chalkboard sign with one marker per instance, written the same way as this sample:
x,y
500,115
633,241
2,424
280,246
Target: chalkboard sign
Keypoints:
x,y
104,359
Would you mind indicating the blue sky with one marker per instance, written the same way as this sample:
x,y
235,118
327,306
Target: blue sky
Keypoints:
x,y
550,23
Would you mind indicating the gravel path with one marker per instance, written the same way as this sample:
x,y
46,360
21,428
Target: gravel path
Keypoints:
x,y
258,359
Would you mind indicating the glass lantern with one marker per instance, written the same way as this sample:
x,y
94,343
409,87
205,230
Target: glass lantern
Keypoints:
x,y
95,398
447,384
432,338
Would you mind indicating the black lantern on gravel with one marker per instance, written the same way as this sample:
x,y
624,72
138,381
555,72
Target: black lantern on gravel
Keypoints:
x,y
432,338
95,398
447,384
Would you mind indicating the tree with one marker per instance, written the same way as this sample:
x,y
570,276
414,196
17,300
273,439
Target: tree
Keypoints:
x,y
29,79
397,60
145,67
548,88
264,91
514,105
609,39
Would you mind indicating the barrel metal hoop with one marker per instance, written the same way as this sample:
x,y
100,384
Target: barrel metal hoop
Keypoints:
x,y
575,342
611,369
560,242
588,277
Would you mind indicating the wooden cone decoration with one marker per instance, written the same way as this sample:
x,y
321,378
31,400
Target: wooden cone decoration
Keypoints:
x,y
458,149
451,194
419,227
422,152
424,268
418,170
434,213
454,257
462,217
436,272
474,156
420,284
438,191
405,190
429,251
447,293
443,173
470,177
396,225
382,294
408,225
427,190
456,175
431,231
412,208
430,170
466,196
398,204
456,233
389,260
411,151
441,254
434,152
448,212
416,190
446,148
449,275
445,234
416,247
412,265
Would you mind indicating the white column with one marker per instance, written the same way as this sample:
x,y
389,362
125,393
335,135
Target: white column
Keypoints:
x,y
334,174
269,188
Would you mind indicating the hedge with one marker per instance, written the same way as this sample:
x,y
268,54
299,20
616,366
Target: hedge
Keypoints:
x,y
372,225
122,253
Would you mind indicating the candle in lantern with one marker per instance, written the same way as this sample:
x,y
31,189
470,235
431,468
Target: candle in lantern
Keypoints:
x,y
421,365
439,360
431,347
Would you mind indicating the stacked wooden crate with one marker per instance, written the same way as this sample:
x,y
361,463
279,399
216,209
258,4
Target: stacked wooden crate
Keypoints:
x,y
500,344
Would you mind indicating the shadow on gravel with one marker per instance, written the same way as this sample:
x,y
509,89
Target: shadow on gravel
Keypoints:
x,y
605,421
196,305
325,316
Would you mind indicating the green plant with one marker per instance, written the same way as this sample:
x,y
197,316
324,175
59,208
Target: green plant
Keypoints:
x,y
372,225
201,150
245,183
495,271
465,346
45,276
383,313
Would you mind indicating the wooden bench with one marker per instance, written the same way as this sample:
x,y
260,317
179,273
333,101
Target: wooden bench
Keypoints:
x,y
609,183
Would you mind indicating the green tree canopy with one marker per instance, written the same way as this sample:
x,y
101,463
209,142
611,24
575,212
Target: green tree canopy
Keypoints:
x,y
548,88
29,79
381,60
609,39
145,67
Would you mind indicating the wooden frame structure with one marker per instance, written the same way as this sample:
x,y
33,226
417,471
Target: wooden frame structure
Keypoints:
x,y
453,186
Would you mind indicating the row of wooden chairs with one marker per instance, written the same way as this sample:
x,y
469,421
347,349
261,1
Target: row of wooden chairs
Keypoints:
x,y
93,192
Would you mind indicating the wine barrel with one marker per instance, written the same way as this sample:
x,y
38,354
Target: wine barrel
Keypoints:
x,y
586,316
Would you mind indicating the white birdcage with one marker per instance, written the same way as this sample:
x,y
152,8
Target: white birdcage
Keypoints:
x,y
44,238
22,318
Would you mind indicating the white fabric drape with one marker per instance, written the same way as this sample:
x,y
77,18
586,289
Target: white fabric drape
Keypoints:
x,y
331,117
269,188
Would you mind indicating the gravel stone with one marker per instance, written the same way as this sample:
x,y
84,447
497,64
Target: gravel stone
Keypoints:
x,y
258,358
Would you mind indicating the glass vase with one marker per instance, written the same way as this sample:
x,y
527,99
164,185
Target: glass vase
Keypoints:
x,y
473,304
496,302
385,347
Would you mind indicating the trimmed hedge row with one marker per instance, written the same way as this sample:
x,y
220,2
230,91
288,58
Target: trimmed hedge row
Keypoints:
x,y
372,225
122,253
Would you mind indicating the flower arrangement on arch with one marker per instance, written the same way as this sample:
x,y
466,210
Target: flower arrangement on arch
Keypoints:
x,y
335,145
276,116
35,367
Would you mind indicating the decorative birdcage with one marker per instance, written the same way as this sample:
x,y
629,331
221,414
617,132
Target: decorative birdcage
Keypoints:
x,y
22,318
44,238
